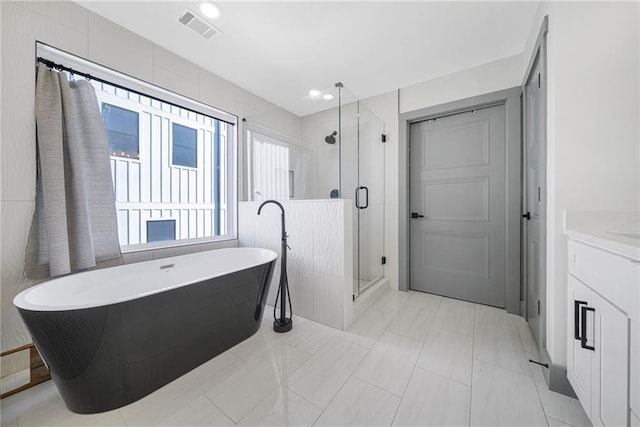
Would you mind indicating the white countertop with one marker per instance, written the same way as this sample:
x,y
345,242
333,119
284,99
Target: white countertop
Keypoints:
x,y
612,231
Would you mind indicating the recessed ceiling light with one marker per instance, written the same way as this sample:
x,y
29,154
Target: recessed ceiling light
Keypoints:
x,y
314,92
210,10
327,96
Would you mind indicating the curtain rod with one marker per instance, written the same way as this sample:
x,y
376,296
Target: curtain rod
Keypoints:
x,y
88,76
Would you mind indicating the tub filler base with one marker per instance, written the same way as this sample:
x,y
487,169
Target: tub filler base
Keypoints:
x,y
105,357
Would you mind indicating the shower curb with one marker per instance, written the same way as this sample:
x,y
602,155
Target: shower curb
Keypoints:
x,y
371,295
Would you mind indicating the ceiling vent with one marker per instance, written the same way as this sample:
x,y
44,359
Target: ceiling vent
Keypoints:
x,y
198,25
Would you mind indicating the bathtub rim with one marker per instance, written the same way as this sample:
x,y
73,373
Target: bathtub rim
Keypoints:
x,y
20,300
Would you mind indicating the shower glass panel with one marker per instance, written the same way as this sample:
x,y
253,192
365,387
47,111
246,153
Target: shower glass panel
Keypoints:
x,y
362,181
370,198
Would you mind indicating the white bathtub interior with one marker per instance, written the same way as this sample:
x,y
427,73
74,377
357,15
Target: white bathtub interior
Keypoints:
x,y
132,281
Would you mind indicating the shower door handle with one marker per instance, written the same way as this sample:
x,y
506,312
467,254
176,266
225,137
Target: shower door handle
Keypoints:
x,y
366,193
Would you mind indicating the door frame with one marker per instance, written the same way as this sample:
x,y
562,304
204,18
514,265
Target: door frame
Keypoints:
x,y
539,55
511,100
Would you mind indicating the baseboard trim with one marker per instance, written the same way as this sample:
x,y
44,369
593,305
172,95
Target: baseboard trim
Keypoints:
x,y
559,382
556,377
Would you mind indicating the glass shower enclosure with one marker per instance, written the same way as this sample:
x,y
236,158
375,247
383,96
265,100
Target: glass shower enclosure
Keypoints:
x,y
361,171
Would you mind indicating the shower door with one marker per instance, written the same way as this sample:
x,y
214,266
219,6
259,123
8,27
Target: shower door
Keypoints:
x,y
368,200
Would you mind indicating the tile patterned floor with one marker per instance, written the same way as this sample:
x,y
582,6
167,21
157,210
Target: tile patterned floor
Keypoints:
x,y
411,359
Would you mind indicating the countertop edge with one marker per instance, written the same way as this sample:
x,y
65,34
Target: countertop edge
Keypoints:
x,y
615,248
595,235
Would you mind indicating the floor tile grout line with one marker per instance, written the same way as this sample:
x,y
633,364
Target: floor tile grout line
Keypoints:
x,y
347,380
443,376
398,313
375,385
519,343
224,413
535,385
502,367
281,379
124,420
416,363
529,368
405,337
386,326
303,398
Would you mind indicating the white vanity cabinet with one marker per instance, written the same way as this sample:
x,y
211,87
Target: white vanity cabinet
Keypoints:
x,y
602,335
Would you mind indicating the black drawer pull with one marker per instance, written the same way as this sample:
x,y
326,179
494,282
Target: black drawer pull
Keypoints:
x,y
576,319
583,340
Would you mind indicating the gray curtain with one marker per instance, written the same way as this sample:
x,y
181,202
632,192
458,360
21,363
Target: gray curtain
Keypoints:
x,y
74,225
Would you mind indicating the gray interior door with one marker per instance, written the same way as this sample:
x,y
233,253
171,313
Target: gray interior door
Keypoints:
x,y
534,129
458,204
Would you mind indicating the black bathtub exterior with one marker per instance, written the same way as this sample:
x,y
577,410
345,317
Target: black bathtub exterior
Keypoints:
x,y
106,357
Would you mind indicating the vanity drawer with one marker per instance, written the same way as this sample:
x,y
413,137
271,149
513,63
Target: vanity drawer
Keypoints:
x,y
615,278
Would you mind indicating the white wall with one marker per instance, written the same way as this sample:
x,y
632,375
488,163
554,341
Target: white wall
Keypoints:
x,y
72,28
494,76
593,129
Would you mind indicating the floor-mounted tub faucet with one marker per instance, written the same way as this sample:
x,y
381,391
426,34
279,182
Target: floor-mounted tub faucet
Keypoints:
x,y
284,323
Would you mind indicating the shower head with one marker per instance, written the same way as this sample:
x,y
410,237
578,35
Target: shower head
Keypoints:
x,y
331,139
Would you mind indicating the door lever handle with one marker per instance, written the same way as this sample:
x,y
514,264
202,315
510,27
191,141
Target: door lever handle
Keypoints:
x,y
416,215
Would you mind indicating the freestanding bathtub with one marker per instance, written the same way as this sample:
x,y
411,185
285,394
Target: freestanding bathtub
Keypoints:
x,y
112,336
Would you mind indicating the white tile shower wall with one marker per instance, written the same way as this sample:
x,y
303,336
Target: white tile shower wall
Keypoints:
x,y
72,28
319,263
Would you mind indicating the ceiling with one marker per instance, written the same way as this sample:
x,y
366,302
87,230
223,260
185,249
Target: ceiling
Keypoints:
x,y
281,50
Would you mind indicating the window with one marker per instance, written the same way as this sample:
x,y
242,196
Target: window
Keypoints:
x,y
158,231
166,193
173,159
184,146
122,130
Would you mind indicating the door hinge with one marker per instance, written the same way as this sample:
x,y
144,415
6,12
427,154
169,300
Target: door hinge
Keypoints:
x,y
538,193
538,307
538,80
384,260
384,138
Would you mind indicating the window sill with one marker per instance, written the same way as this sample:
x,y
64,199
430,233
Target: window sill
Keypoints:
x,y
174,244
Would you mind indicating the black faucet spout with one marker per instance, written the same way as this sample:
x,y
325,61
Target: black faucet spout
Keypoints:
x,y
284,233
